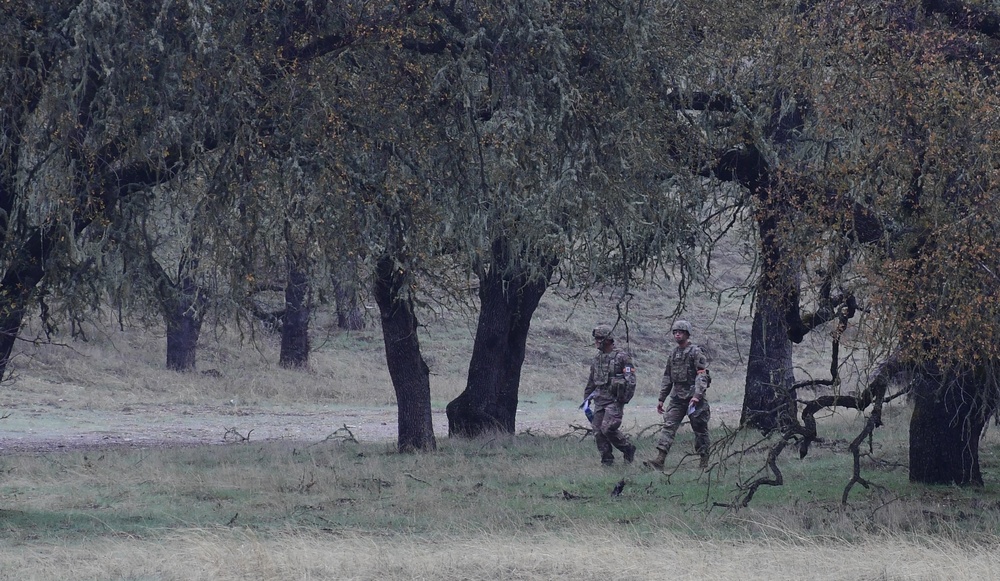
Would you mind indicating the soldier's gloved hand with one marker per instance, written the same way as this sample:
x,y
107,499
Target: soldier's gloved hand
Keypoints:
x,y
659,407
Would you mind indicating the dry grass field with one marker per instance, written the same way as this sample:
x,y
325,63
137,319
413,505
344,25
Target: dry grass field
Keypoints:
x,y
112,468
213,555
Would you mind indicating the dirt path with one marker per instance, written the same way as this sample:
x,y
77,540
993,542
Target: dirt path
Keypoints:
x,y
49,429
54,428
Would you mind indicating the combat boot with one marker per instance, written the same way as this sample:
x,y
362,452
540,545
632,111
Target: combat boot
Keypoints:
x,y
656,463
703,463
629,453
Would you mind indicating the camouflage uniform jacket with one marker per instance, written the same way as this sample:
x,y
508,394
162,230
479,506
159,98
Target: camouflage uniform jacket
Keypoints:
x,y
612,379
685,376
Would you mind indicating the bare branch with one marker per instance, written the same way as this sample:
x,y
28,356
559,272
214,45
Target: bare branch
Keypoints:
x,y
232,435
750,489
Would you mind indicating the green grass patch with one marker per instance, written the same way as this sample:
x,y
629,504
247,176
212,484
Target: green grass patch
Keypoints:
x,y
500,485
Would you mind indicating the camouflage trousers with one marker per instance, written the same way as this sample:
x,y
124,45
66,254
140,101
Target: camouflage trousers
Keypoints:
x,y
672,417
606,424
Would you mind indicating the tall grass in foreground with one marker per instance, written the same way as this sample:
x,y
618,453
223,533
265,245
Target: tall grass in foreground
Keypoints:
x,y
240,555
501,507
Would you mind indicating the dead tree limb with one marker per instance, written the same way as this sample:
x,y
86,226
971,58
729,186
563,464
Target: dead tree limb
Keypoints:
x,y
805,433
577,429
876,389
232,435
641,433
776,478
341,434
410,475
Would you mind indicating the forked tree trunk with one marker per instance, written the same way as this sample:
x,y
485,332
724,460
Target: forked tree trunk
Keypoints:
x,y
508,295
770,377
947,422
295,320
183,317
407,369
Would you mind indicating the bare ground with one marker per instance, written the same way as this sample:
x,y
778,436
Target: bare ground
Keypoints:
x,y
49,428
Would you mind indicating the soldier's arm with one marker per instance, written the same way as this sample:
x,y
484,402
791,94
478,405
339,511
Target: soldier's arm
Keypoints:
x,y
666,384
701,379
590,384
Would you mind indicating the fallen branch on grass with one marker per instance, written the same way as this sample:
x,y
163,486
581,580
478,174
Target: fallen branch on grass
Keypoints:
x,y
407,474
577,428
232,435
653,427
342,434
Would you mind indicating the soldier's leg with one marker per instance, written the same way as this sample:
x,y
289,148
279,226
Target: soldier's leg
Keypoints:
x,y
603,445
672,418
613,415
699,425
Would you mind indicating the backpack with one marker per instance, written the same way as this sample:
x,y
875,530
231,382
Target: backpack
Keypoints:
x,y
621,389
625,391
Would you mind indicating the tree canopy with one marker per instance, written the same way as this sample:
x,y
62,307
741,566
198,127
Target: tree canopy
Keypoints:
x,y
425,148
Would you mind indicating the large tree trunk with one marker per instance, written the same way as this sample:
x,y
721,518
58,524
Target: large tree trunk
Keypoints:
x,y
509,292
407,369
11,319
768,400
17,288
295,319
183,316
947,422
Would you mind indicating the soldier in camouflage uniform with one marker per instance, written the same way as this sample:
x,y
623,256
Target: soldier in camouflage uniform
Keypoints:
x,y
610,386
685,381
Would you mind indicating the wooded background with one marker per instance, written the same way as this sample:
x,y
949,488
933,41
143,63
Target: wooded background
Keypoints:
x,y
179,162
